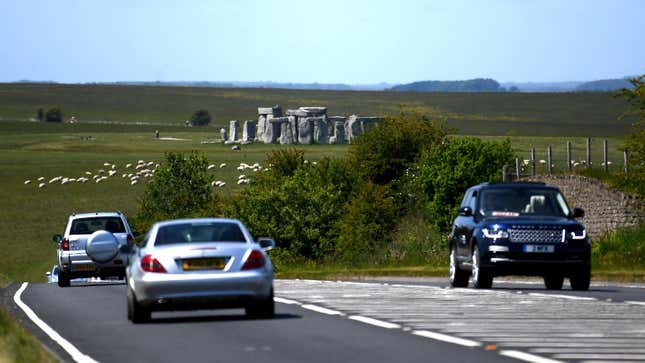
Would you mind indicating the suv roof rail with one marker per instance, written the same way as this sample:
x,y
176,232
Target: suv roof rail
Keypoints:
x,y
515,182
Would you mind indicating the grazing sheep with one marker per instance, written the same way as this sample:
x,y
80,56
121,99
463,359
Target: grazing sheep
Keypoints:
x,y
210,167
222,165
106,164
88,173
112,172
128,165
542,161
41,178
134,182
242,176
41,185
27,181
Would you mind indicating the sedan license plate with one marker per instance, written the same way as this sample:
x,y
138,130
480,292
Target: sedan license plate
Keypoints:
x,y
539,248
83,267
204,264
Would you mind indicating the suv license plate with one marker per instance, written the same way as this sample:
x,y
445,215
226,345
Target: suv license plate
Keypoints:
x,y
539,248
83,267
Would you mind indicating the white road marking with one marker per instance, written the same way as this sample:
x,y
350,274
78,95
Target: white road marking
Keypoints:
x,y
527,357
569,297
285,301
379,323
447,338
622,357
635,302
322,310
76,354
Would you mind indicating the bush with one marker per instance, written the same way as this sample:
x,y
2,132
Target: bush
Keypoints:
x,y
180,188
386,151
54,115
298,205
415,241
200,118
447,170
366,226
622,249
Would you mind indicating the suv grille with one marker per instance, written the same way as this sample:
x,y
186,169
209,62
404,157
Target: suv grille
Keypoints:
x,y
536,236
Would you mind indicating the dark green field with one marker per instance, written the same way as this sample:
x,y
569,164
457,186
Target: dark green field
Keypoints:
x,y
494,114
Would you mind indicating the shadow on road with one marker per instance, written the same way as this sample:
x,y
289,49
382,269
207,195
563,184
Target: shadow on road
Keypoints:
x,y
216,318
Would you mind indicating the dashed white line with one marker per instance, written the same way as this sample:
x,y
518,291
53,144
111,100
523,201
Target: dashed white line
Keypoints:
x,y
375,322
322,310
527,357
635,302
569,297
447,338
76,354
285,301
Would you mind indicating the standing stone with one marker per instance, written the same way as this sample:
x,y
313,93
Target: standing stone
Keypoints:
x,y
265,116
286,134
339,132
232,137
293,124
248,131
222,134
321,130
353,128
306,130
274,126
261,127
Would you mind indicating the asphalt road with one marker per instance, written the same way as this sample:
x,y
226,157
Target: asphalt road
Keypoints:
x,y
393,320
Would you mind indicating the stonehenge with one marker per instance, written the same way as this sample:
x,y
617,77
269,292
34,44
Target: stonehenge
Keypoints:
x,y
304,125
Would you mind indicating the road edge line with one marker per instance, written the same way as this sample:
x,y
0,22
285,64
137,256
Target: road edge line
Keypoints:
x,y
322,310
447,338
527,357
375,322
76,354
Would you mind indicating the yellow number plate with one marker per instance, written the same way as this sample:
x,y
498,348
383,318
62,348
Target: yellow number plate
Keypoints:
x,y
203,264
84,267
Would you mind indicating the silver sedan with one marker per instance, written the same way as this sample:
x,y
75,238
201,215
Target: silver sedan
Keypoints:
x,y
206,263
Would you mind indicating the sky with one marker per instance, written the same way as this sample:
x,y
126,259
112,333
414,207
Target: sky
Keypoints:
x,y
330,41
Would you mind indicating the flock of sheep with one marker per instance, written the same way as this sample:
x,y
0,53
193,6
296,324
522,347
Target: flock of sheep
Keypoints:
x,y
136,172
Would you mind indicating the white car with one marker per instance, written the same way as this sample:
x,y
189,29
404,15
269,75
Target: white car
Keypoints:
x,y
90,246
187,264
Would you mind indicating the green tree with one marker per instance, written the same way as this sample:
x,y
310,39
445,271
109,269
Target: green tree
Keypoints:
x,y
180,188
200,118
635,143
54,114
384,153
447,170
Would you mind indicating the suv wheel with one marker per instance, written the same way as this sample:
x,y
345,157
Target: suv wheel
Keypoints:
x,y
553,282
482,279
63,279
581,279
137,313
458,277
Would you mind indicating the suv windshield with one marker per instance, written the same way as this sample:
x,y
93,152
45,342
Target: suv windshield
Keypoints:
x,y
513,202
93,224
199,232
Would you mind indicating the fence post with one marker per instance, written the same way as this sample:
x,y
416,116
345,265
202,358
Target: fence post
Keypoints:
x,y
625,161
569,155
505,174
532,161
517,169
548,157
588,152
604,154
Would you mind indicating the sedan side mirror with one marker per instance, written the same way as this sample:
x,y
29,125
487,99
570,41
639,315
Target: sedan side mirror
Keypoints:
x,y
465,211
578,213
266,243
57,238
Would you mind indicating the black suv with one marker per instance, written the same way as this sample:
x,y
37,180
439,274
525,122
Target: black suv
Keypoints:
x,y
518,229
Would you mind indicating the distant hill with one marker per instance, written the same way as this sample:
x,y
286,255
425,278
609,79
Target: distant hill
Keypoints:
x,y
604,85
266,84
569,86
471,85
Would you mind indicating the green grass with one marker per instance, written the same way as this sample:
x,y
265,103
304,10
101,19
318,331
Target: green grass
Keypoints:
x,y
534,114
16,345
621,250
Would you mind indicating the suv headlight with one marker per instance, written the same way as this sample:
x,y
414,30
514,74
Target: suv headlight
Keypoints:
x,y
495,232
578,234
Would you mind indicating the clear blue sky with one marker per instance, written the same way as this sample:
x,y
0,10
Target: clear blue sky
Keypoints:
x,y
331,41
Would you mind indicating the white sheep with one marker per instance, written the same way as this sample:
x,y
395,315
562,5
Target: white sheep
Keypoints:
x,y
242,176
41,178
27,181
128,165
134,182
41,185
210,167
222,165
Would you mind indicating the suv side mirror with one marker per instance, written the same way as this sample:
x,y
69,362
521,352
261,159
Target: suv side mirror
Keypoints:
x,y
57,238
465,211
578,213
266,243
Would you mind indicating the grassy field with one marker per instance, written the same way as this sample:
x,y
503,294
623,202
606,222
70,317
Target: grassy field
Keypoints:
x,y
16,345
28,150
531,114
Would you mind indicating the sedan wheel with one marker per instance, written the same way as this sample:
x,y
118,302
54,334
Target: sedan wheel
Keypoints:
x,y
137,313
458,277
482,279
264,309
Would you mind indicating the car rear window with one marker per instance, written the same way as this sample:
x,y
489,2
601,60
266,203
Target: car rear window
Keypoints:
x,y
93,224
199,232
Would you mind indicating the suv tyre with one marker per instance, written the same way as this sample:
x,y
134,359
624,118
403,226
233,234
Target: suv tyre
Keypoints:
x,y
63,279
581,279
553,282
458,277
482,279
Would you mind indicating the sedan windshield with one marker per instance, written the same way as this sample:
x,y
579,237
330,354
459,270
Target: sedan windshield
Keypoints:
x,y
513,202
199,232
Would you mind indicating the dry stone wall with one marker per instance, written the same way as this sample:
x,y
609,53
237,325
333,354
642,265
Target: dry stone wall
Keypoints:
x,y
606,209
